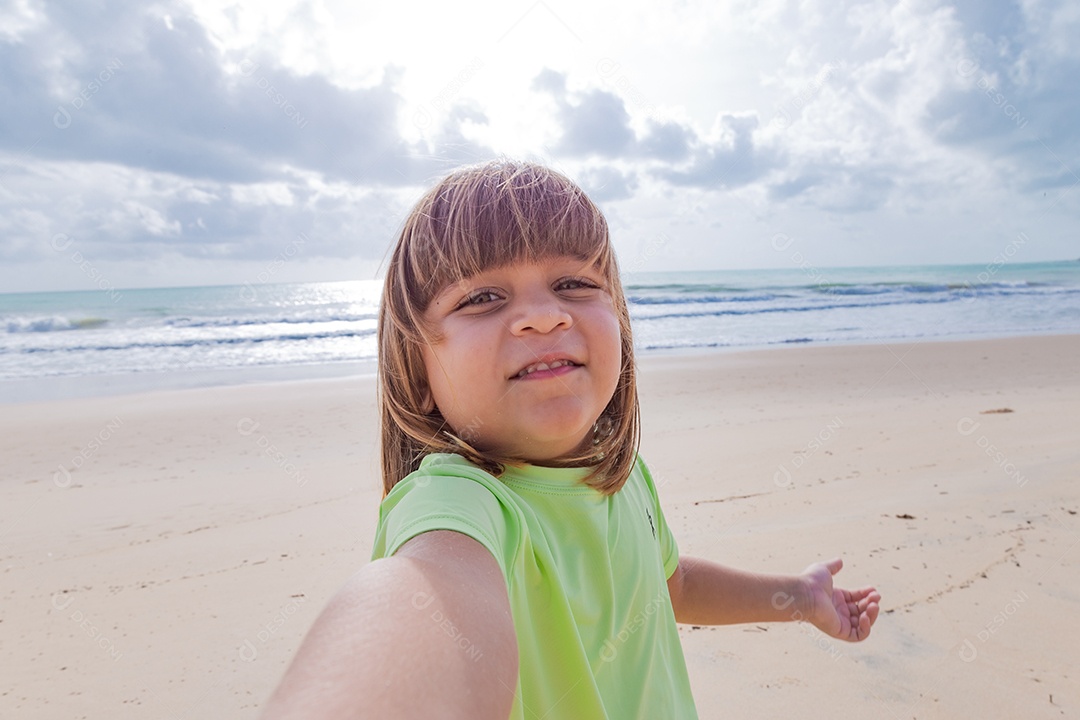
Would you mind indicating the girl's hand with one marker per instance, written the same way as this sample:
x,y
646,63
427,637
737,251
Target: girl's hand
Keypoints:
x,y
844,614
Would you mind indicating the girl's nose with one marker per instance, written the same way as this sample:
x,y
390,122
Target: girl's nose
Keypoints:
x,y
540,314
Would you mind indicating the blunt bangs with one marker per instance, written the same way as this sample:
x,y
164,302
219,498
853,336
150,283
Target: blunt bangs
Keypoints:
x,y
499,214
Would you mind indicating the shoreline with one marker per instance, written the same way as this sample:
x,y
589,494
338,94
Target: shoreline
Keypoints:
x,y
14,393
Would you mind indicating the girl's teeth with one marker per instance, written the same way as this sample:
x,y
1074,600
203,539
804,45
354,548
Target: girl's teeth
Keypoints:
x,y
542,366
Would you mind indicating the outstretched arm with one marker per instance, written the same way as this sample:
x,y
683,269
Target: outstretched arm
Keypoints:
x,y
707,593
422,634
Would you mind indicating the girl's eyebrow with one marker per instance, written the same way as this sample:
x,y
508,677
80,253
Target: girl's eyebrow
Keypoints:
x,y
488,276
461,286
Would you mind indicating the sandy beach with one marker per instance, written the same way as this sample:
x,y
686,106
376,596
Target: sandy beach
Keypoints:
x,y
164,553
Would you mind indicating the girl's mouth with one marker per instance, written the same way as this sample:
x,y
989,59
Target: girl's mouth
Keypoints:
x,y
546,369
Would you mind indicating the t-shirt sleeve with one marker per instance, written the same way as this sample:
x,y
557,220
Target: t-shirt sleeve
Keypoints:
x,y
669,549
420,504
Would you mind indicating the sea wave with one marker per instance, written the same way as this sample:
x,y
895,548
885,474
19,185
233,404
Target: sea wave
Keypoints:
x,y
902,292
52,323
187,342
708,298
161,330
790,309
197,322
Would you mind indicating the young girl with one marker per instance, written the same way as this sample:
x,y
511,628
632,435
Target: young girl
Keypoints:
x,y
522,564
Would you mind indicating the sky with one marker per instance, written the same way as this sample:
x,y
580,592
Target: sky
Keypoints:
x,y
147,144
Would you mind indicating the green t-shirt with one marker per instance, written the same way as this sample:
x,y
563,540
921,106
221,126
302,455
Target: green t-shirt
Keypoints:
x,y
586,575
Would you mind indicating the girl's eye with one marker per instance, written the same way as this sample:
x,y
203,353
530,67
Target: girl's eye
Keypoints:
x,y
480,297
576,283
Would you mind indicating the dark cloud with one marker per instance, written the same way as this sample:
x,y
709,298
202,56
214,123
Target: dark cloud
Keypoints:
x,y
794,187
1007,99
326,226
593,123
990,22
829,184
733,162
165,146
208,220
132,88
606,184
550,81
596,123
667,141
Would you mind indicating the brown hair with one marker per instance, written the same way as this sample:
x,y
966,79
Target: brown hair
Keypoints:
x,y
480,217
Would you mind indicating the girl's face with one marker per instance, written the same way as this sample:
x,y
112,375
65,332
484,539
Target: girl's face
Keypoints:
x,y
527,357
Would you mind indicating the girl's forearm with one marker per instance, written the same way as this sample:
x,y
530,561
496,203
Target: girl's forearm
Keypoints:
x,y
707,593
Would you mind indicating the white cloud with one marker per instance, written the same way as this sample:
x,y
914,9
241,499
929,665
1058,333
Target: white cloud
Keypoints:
x,y
19,18
275,193
869,129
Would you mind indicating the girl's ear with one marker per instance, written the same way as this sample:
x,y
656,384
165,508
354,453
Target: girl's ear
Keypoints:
x,y
428,404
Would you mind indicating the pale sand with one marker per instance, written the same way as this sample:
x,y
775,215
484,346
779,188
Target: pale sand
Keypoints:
x,y
174,573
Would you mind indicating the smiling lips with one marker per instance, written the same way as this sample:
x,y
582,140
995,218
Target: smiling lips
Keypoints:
x,y
546,369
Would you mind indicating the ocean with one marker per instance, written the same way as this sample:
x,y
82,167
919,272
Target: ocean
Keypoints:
x,y
63,344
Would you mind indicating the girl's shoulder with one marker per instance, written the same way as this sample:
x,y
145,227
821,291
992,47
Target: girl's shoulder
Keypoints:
x,y
447,492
